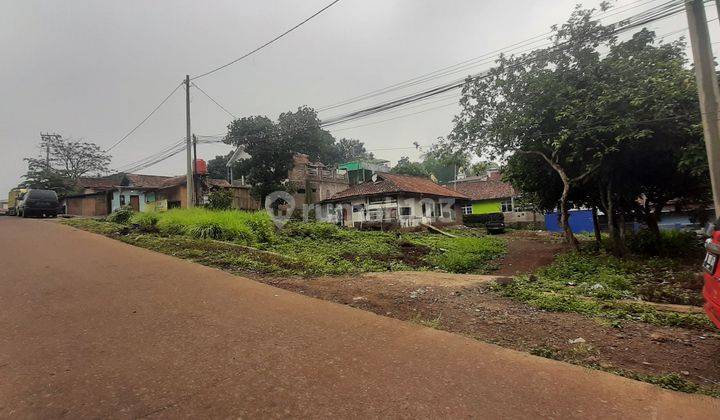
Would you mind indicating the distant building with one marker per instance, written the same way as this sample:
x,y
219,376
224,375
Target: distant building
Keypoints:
x,y
395,200
101,196
314,182
360,171
489,194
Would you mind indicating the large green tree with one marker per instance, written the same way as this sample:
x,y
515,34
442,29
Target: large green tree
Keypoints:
x,y
590,108
271,146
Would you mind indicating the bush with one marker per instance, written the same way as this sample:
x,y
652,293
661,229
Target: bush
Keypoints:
x,y
672,243
320,230
247,228
121,215
145,221
481,219
220,200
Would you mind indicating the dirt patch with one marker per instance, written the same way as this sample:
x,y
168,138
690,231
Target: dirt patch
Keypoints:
x,y
527,254
476,311
431,278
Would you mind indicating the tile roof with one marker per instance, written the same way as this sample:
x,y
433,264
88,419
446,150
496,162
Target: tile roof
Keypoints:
x,y
222,183
102,183
485,188
394,183
130,180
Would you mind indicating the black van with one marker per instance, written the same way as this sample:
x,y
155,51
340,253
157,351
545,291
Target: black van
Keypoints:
x,y
39,203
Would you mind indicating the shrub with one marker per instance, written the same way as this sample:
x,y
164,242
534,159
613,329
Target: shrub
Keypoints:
x,y
220,200
463,254
247,228
672,243
481,219
121,215
145,221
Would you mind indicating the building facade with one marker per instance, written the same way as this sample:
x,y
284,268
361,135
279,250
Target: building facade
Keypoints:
x,y
392,200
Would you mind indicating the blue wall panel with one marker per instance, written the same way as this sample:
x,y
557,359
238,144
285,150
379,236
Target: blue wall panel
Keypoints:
x,y
580,221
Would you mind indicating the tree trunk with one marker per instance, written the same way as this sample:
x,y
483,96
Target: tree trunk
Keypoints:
x,y
565,212
618,245
596,228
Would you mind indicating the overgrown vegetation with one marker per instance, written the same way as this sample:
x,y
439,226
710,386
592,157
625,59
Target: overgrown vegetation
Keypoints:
x,y
610,288
306,249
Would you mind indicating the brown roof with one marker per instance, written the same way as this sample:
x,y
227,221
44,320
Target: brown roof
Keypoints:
x,y
148,181
130,180
222,183
102,183
485,188
394,183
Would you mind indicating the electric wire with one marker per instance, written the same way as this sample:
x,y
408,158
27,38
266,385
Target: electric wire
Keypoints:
x,y
265,44
144,119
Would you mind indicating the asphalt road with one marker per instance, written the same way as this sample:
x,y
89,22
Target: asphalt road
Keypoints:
x,y
92,327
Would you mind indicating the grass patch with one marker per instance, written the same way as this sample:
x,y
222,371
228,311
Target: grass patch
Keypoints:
x,y
308,249
534,294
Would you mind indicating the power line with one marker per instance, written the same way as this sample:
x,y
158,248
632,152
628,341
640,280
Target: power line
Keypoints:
x,y
661,11
398,117
472,62
265,44
214,101
144,119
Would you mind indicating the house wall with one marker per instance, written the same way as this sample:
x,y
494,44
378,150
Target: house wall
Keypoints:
x,y
94,205
243,200
127,193
486,206
391,208
174,194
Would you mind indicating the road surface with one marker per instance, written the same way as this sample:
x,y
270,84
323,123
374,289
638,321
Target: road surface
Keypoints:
x,y
92,327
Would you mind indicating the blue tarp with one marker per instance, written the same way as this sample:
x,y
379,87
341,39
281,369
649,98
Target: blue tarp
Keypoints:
x,y
580,221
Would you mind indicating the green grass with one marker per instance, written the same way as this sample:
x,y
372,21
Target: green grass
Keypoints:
x,y
308,249
601,286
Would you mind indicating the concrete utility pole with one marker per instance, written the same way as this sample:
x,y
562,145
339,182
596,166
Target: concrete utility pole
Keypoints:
x,y
190,178
47,138
708,91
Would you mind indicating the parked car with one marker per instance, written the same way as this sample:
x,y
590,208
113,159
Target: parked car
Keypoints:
x,y
495,226
711,289
39,203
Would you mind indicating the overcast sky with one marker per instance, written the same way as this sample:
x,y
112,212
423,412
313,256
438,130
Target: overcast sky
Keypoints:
x,y
93,69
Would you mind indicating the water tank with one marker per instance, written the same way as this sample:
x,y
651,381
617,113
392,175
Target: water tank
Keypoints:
x,y
200,167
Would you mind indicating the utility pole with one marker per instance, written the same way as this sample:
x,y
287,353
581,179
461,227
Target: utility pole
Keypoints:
x,y
195,169
708,91
190,182
47,138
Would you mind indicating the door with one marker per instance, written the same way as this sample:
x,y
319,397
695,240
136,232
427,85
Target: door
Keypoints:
x,y
135,202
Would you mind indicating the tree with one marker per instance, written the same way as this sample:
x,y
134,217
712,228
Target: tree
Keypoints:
x,y
271,157
595,111
271,146
217,167
352,149
406,167
62,161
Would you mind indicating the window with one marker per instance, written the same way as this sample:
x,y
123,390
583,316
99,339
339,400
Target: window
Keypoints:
x,y
358,208
467,209
405,211
506,205
122,200
301,190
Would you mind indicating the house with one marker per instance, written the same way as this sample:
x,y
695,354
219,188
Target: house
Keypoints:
x,y
314,182
394,200
489,194
103,195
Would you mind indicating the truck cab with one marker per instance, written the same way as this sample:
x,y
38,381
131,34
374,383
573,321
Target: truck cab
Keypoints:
x,y
711,274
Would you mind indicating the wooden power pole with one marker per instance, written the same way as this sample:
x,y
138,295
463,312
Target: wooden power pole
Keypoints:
x,y
708,91
190,177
